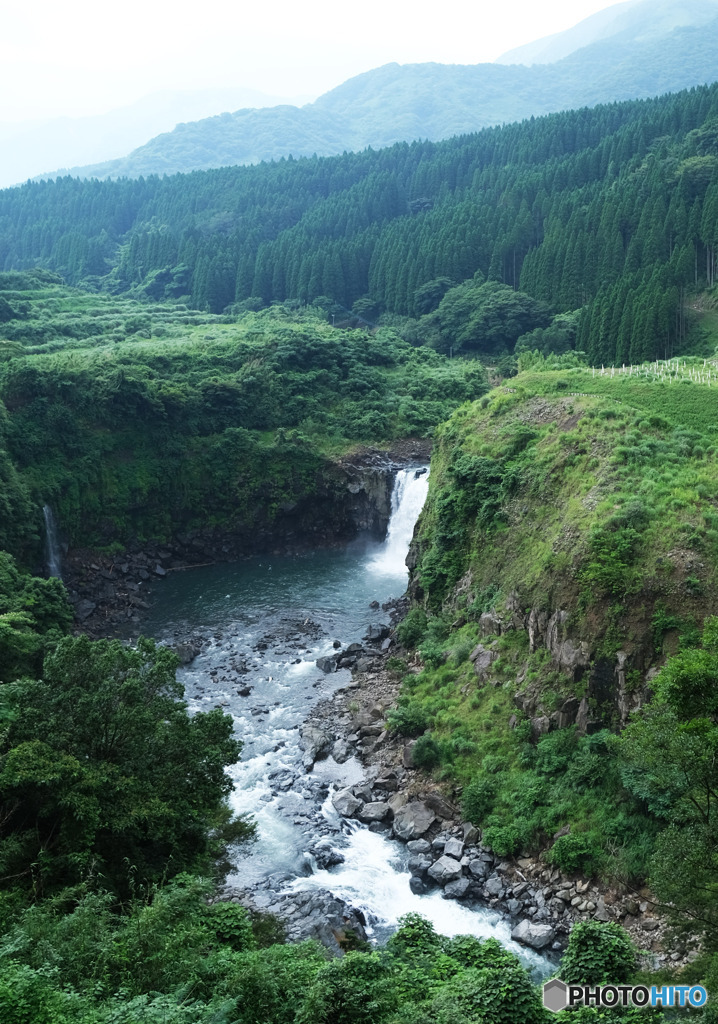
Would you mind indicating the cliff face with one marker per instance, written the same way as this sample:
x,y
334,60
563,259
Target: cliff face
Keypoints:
x,y
585,522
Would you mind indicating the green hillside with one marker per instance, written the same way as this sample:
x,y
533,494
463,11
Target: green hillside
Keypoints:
x,y
611,210
401,103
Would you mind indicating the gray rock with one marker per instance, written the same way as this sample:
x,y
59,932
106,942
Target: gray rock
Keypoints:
x,y
345,803
397,800
494,886
417,886
159,571
419,864
446,869
479,868
540,726
456,890
454,848
471,834
418,846
437,803
340,751
327,664
483,661
408,754
83,609
534,935
412,820
379,632
601,912
375,811
316,743
489,624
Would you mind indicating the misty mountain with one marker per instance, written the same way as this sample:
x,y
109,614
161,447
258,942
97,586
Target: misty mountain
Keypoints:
x,y
637,20
32,147
647,56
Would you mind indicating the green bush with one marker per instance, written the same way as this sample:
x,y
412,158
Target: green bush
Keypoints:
x,y
426,753
598,954
412,628
508,840
408,719
576,851
478,799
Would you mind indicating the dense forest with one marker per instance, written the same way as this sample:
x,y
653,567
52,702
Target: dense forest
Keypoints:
x,y
612,210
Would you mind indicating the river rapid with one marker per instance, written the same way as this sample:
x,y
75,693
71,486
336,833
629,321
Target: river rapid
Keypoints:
x,y
261,625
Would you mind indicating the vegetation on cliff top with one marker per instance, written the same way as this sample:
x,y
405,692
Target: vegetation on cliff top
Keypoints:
x,y
592,495
138,422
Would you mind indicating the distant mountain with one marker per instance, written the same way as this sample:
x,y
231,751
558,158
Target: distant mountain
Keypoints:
x,y
31,147
637,20
649,51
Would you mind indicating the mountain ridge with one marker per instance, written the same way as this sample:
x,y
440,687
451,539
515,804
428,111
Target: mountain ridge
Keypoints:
x,y
397,103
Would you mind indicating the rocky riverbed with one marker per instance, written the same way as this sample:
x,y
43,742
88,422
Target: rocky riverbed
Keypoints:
x,y
446,853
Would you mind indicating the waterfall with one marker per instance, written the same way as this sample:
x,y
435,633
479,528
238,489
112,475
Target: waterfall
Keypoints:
x,y
407,501
52,544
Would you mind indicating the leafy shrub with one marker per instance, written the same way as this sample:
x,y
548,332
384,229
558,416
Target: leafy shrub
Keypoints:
x,y
408,719
598,954
577,850
433,653
426,753
489,996
508,840
478,799
411,629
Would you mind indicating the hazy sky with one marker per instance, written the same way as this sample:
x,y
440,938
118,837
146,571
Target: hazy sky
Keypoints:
x,y
81,57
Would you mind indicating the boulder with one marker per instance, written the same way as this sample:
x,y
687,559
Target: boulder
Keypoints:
x,y
539,726
379,632
397,801
483,658
345,803
456,890
419,864
479,868
601,912
494,886
412,820
316,743
437,803
83,609
454,848
471,834
537,936
375,811
490,624
418,846
446,869
408,754
340,751
327,664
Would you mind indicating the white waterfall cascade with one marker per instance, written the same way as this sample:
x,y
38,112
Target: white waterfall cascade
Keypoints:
x,y
407,501
52,544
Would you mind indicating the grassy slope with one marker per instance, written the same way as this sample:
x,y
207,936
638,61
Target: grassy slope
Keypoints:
x,y
140,421
605,506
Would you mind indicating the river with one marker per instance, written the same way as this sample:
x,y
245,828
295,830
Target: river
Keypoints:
x,y
264,622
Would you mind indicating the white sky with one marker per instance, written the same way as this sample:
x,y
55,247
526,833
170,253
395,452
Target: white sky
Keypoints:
x,y
83,57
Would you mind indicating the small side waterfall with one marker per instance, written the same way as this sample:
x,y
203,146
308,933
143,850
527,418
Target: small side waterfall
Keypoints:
x,y
52,544
407,501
